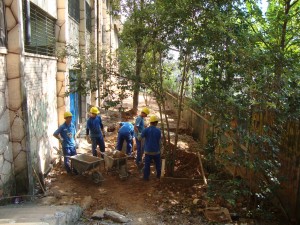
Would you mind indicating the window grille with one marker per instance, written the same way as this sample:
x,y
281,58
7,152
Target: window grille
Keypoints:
x,y
3,37
74,9
88,18
42,27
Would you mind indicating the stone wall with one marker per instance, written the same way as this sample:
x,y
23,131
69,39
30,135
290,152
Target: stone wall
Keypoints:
x,y
13,10
31,103
60,32
7,181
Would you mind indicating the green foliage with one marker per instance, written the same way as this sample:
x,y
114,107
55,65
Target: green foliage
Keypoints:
x,y
232,190
250,75
88,75
245,66
84,80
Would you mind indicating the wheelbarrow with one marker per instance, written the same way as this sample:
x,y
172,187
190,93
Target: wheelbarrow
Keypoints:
x,y
84,163
116,164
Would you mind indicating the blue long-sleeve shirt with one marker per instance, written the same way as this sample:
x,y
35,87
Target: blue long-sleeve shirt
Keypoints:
x,y
152,137
67,133
126,128
94,126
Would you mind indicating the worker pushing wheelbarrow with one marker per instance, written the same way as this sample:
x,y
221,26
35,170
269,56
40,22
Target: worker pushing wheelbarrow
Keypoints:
x,y
84,163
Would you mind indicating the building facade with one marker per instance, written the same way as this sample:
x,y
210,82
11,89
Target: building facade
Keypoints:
x,y
34,79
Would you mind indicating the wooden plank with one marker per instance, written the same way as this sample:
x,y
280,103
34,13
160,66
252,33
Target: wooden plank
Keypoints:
x,y
182,181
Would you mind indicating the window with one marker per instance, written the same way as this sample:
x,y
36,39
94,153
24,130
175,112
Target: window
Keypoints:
x,y
74,9
88,13
42,32
3,37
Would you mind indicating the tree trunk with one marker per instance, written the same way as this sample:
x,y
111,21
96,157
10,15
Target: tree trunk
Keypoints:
x,y
180,101
137,81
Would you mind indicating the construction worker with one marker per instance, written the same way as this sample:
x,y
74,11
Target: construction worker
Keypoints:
x,y
138,128
66,135
152,146
94,131
126,132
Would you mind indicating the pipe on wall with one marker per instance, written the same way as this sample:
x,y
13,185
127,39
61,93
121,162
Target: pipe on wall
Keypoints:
x,y
27,23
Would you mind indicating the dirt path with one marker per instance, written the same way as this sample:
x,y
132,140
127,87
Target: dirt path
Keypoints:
x,y
175,201
140,201
132,198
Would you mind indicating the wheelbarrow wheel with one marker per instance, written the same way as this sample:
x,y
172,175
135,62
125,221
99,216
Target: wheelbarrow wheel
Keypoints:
x,y
97,177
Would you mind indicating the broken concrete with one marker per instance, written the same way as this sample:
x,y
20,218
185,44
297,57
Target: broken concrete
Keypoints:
x,y
35,214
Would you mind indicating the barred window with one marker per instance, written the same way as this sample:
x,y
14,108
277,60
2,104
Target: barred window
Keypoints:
x,y
3,37
74,9
88,19
42,31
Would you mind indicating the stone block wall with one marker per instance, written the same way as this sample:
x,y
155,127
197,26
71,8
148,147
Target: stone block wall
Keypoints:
x,y
7,180
60,32
14,83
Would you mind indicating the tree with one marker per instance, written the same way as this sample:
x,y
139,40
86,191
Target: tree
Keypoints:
x,y
249,75
136,36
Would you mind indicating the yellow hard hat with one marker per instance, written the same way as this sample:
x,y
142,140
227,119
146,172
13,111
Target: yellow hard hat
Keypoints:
x,y
94,110
153,118
67,114
146,110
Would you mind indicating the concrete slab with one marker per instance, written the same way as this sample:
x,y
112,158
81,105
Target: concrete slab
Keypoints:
x,y
29,214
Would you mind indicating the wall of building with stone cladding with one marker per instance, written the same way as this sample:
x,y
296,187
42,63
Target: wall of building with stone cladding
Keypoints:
x,y
40,89
31,103
7,180
60,32
14,103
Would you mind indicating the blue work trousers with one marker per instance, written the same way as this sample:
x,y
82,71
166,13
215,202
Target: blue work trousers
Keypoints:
x,y
128,138
68,152
157,161
139,152
97,141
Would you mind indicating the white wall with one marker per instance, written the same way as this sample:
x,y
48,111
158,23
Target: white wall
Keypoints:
x,y
47,5
40,89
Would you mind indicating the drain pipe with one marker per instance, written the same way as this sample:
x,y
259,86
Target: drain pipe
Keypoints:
x,y
27,24
97,55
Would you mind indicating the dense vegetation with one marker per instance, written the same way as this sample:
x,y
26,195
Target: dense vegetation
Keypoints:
x,y
239,63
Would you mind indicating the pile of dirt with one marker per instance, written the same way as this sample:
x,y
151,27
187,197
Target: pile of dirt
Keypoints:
x,y
186,165
128,115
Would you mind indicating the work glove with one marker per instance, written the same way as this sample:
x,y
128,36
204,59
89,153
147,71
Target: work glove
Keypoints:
x,y
88,139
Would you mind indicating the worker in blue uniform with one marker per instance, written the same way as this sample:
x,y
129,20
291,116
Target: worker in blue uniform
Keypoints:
x,y
126,132
66,135
94,130
152,147
139,126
